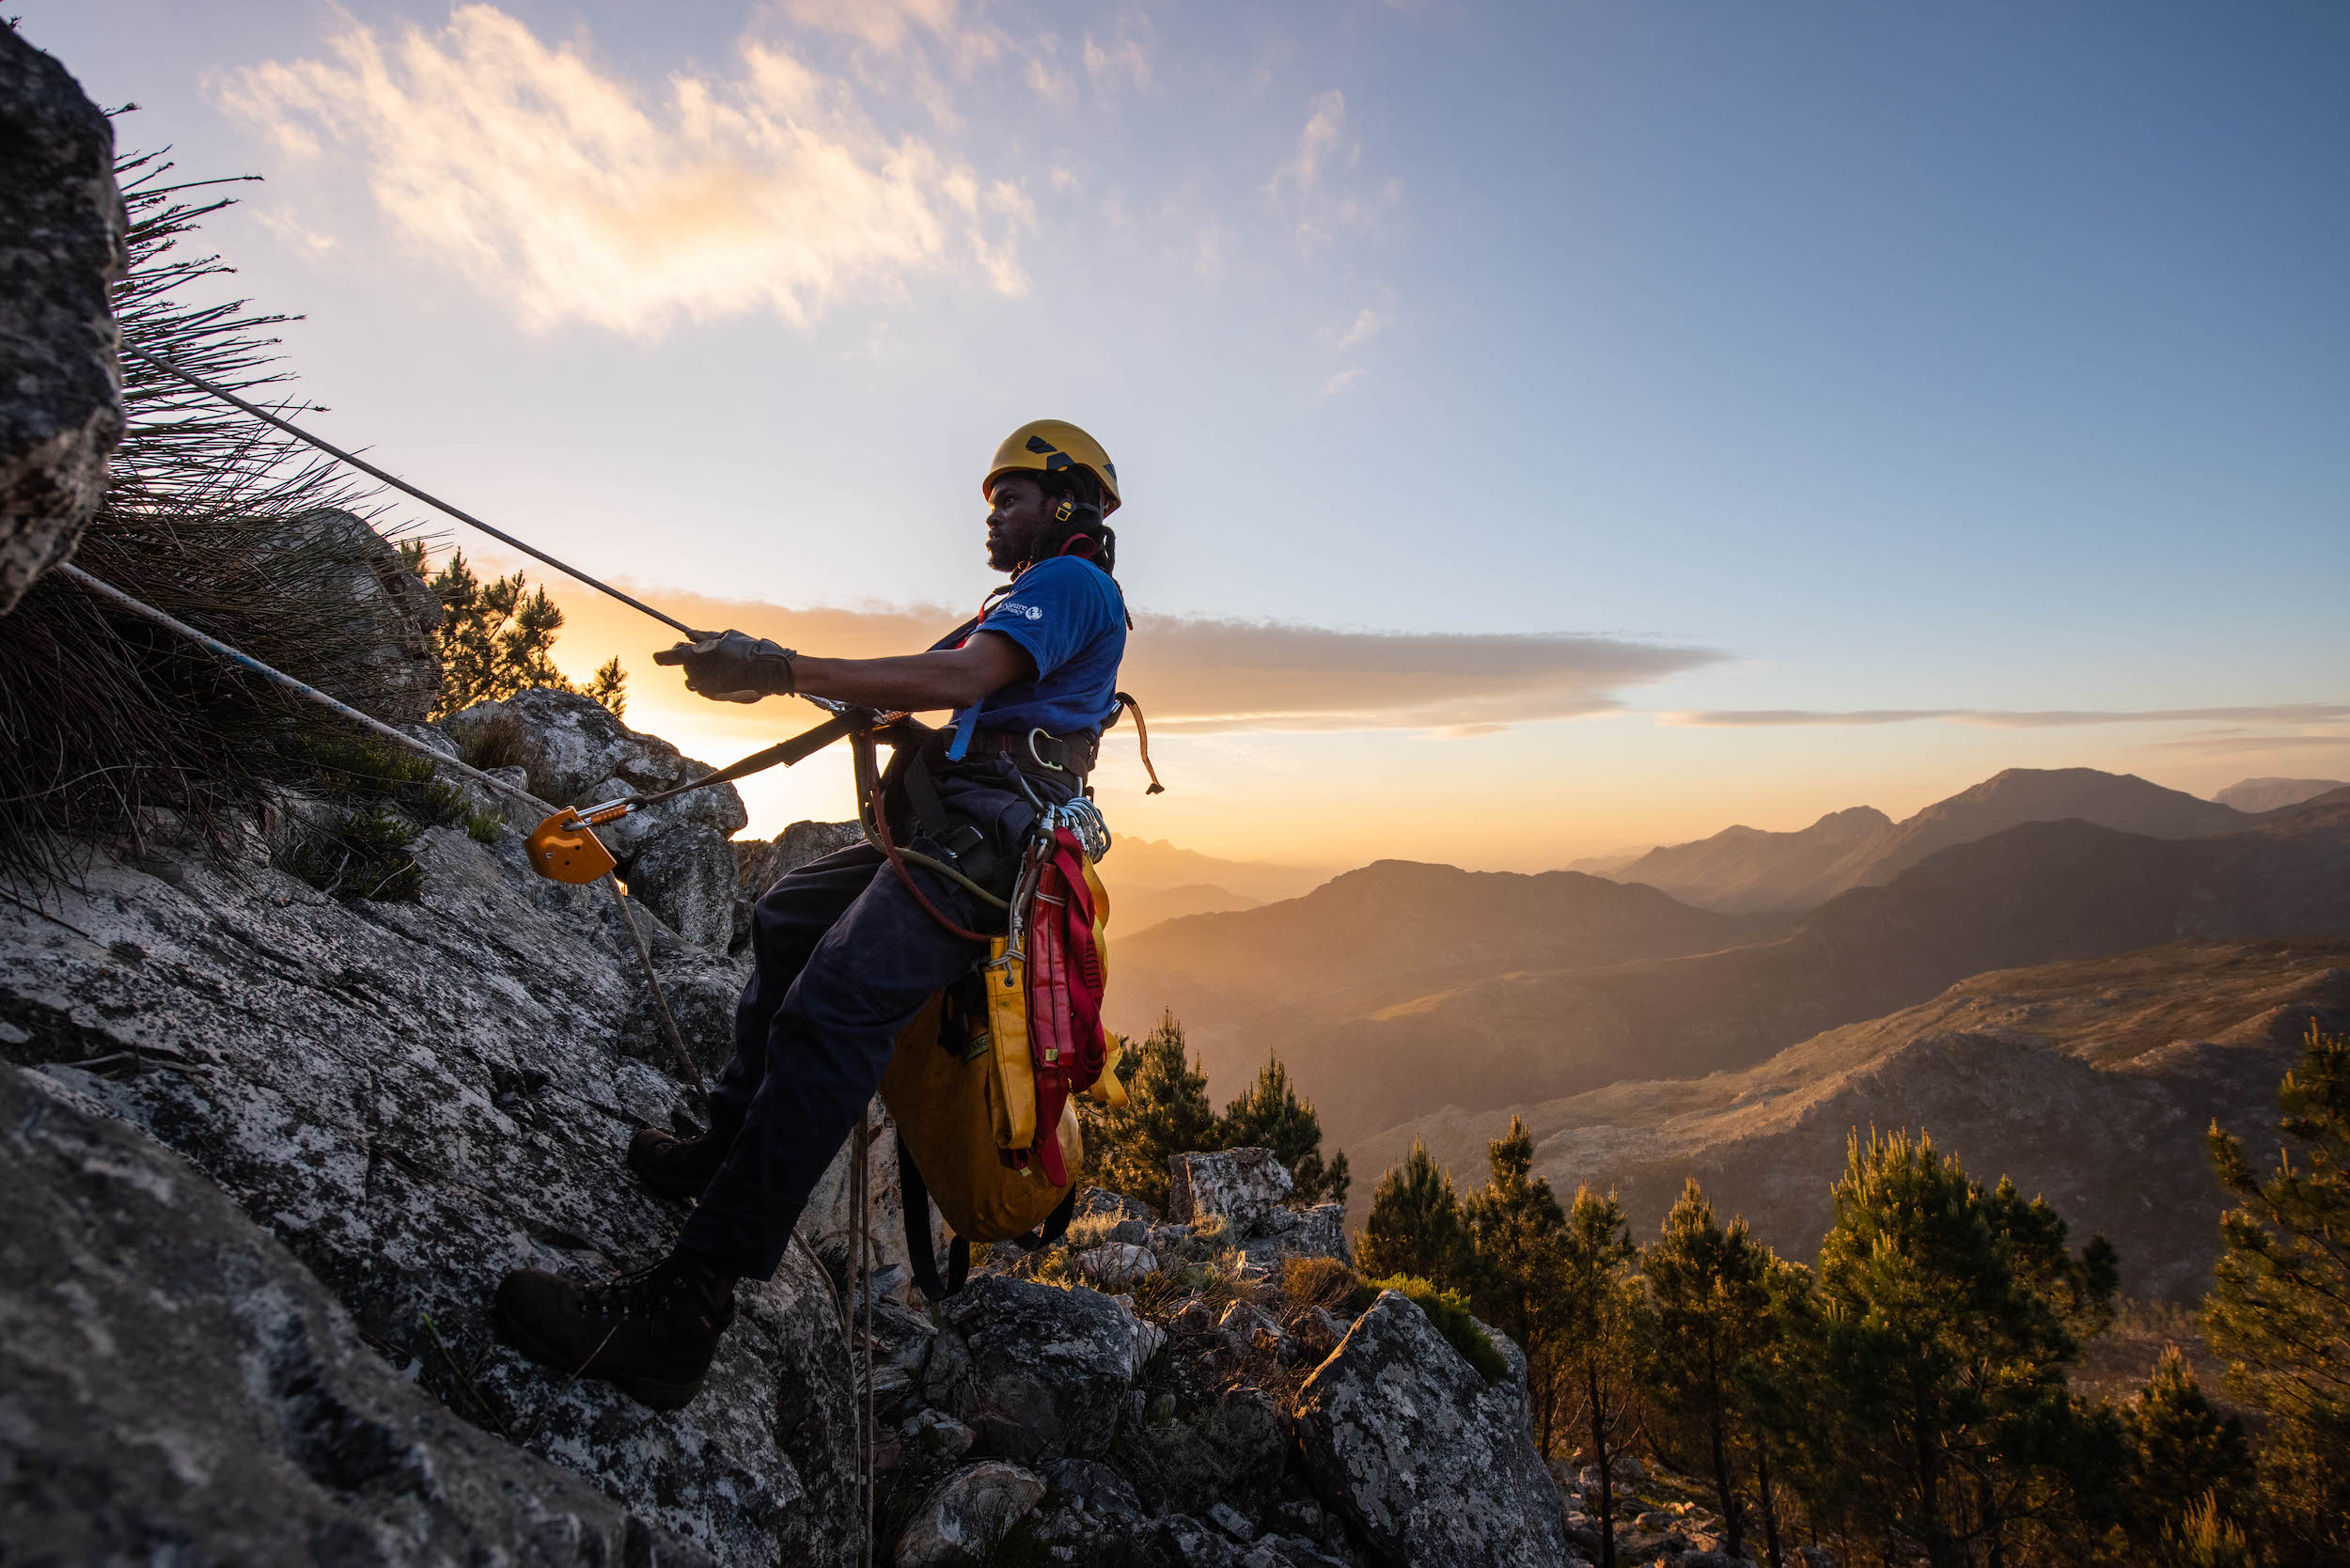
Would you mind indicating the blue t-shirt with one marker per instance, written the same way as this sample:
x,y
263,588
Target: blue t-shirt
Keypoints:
x,y
1068,616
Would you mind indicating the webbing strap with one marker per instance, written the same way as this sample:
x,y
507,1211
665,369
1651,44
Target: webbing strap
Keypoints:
x,y
915,1198
1055,1227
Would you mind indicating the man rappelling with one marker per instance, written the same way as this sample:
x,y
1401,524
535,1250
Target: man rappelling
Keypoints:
x,y
850,948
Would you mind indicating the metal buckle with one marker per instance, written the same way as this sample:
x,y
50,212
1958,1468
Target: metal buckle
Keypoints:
x,y
1040,763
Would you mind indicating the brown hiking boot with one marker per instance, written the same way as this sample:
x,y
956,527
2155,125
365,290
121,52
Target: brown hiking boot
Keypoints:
x,y
677,1167
651,1332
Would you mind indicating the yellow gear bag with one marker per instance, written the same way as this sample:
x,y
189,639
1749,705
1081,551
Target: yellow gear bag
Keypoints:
x,y
960,1087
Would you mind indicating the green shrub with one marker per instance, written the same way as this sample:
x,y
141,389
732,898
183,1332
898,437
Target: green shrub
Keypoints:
x,y
209,516
364,855
483,827
361,767
1448,1310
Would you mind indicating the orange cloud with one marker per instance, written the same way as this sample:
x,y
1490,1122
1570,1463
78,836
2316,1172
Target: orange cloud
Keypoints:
x,y
559,188
1205,676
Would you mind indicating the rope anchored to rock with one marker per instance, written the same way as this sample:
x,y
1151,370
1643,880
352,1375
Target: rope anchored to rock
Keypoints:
x,y
439,758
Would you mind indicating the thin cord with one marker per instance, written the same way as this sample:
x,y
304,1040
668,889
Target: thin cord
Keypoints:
x,y
245,661
405,488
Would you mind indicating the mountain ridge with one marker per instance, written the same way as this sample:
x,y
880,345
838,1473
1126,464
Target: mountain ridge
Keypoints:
x,y
1747,871
1391,1044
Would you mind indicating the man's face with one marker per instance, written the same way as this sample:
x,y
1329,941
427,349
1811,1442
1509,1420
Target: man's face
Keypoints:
x,y
1016,515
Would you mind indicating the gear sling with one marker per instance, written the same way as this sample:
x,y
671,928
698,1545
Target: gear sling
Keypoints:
x,y
983,1085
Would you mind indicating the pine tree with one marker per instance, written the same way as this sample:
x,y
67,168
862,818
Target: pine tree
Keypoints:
x,y
1710,1299
1773,1389
1600,1324
1269,1115
2182,1450
495,638
1167,1113
609,687
1516,1230
1933,1408
1416,1227
2279,1304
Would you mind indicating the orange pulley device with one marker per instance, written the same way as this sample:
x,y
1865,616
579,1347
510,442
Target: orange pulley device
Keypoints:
x,y
565,848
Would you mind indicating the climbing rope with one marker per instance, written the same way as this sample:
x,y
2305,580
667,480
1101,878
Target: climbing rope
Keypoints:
x,y
406,489
122,601
861,1295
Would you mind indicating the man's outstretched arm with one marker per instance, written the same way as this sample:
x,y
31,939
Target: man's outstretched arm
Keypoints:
x,y
740,668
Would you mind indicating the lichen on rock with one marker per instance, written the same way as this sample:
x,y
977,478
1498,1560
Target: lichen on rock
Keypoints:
x,y
61,251
415,1098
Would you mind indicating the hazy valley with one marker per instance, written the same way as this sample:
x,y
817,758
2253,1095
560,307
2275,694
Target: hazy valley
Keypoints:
x,y
2062,976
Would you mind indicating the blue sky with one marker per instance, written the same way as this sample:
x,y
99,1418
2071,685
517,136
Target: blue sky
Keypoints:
x,y
1804,365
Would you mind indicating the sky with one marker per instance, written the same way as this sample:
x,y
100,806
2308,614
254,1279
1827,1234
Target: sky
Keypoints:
x,y
1544,431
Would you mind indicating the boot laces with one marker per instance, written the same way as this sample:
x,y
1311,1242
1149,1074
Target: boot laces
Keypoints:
x,y
642,1293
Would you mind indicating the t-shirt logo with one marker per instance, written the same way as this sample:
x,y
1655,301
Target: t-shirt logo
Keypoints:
x,y
1033,612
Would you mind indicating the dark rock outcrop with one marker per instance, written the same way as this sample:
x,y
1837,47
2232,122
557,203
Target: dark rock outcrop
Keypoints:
x,y
415,1098
1049,1366
61,249
181,1389
966,1514
1426,1461
390,603
675,856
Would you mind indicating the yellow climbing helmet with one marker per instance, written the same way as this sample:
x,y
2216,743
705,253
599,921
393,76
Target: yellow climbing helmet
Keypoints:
x,y
1049,446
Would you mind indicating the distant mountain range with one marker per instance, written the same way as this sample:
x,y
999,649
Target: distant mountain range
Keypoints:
x,y
1743,870
1151,881
1134,909
2089,1081
1400,989
2269,794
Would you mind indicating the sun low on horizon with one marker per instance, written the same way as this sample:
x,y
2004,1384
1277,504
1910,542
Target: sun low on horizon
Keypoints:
x,y
1543,433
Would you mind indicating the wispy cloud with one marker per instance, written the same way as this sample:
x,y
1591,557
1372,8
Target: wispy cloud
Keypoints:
x,y
1368,324
1207,676
1122,64
1322,141
568,191
1995,718
2232,745
1322,185
1345,380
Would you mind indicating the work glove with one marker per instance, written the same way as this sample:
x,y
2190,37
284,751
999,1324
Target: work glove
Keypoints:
x,y
732,666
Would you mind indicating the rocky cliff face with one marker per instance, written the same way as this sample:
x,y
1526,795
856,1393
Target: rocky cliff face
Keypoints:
x,y
415,1098
181,1389
61,249
272,1150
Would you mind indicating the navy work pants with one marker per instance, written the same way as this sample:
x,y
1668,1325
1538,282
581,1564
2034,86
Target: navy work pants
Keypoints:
x,y
845,959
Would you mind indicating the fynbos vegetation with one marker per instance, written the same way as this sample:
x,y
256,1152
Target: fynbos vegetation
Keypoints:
x,y
211,516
